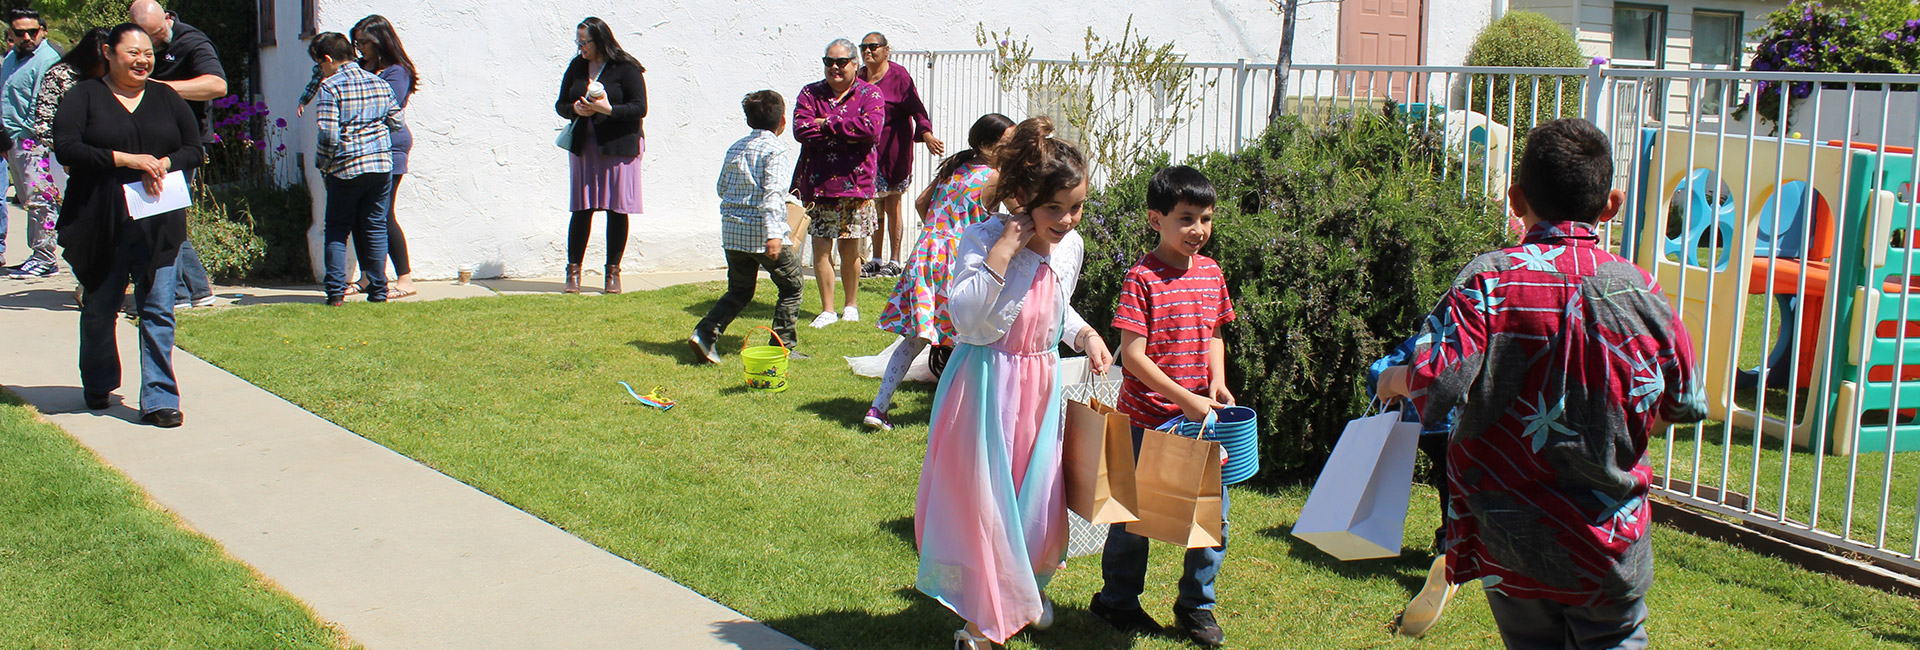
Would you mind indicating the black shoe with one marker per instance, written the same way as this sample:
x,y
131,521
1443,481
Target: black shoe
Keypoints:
x,y
164,418
703,347
99,402
1198,624
1133,620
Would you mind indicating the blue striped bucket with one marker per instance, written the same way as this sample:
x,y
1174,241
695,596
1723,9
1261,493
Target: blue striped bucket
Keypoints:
x,y
1237,430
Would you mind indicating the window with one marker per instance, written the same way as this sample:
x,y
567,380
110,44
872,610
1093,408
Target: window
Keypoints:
x,y
267,35
1717,45
1639,34
309,18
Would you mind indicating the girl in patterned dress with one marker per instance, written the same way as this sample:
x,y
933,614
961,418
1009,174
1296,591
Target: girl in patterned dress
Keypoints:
x,y
918,310
990,518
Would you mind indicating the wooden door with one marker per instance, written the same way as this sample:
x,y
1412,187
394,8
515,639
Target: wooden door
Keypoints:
x,y
1382,32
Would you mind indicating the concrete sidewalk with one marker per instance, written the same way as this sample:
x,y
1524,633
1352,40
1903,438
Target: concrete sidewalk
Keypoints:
x,y
395,553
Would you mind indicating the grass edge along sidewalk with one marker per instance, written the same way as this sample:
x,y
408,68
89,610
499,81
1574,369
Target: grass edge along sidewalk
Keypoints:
x,y
781,507
88,561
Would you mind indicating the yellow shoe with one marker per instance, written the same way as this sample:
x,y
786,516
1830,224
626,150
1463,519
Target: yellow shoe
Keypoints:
x,y
1425,608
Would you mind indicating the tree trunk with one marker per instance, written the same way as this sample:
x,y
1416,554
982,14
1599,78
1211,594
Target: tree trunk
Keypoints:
x,y
1289,12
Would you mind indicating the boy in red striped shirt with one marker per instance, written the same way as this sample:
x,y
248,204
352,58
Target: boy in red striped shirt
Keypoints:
x,y
1172,304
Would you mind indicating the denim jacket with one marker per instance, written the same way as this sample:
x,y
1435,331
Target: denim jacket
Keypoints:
x,y
1401,356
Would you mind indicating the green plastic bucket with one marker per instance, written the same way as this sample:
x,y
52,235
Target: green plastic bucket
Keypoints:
x,y
766,365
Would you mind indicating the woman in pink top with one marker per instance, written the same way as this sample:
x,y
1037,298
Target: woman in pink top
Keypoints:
x,y
907,123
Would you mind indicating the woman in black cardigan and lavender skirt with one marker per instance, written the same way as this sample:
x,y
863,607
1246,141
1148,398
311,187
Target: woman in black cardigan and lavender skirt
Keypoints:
x,y
605,96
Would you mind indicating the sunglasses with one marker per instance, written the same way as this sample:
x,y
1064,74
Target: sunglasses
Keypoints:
x,y
836,61
869,47
23,33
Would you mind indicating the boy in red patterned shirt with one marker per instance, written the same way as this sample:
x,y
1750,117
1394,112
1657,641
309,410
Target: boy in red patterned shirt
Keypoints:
x,y
1172,304
1564,359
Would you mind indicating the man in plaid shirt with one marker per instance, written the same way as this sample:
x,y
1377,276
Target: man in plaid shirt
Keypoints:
x,y
356,114
753,226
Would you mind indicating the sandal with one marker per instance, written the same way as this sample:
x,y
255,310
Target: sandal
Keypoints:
x,y
398,293
356,288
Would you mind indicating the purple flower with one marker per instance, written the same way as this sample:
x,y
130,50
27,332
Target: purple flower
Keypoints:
x,y
1843,21
216,138
1911,24
1599,60
280,148
280,123
260,145
1891,36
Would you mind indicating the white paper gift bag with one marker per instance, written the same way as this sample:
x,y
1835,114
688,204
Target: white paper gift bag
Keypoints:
x,y
1358,508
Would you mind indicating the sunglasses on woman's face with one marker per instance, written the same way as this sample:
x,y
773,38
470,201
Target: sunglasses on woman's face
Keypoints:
x,y
869,47
835,61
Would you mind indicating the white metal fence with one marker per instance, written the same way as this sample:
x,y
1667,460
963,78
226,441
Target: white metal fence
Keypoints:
x,y
1781,237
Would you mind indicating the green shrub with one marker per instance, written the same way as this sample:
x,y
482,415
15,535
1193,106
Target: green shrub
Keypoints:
x,y
1523,39
251,233
1335,243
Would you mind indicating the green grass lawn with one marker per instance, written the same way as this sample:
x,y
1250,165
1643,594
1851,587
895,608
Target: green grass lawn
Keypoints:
x,y
780,506
87,562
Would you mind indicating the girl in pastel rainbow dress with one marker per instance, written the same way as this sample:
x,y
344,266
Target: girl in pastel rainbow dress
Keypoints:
x,y
990,518
918,310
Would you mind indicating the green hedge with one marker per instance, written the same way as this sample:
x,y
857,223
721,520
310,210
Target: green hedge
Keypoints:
x,y
1523,39
252,233
1335,239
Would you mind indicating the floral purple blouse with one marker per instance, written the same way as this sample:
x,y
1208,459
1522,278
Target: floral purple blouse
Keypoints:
x,y
838,158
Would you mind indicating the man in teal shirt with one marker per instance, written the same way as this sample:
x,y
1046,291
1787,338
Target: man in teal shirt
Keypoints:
x,y
20,74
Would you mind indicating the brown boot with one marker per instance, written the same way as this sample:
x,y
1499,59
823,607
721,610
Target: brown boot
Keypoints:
x,y
613,279
573,279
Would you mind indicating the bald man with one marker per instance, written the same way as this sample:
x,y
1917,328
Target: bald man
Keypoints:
x,y
184,59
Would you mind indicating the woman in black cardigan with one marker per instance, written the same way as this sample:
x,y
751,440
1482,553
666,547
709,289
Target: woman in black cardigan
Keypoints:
x,y
605,97
110,131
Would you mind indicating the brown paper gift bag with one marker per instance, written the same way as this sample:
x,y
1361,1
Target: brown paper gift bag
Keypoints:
x,y
1098,461
1178,479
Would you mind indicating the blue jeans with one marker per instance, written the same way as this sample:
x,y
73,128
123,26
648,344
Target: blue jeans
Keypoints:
x,y
357,207
192,279
1530,624
100,314
1124,564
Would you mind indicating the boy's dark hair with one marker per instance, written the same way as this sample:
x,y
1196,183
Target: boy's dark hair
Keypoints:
x,y
1179,184
331,45
764,109
1566,171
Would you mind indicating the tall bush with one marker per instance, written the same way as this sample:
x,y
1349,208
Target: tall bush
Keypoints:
x,y
1523,39
1864,36
251,233
1119,99
1335,240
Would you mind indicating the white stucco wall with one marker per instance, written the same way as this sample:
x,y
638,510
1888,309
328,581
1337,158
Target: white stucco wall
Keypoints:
x,y
487,187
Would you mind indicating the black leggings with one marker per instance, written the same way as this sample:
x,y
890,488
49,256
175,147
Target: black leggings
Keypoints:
x,y
583,225
397,240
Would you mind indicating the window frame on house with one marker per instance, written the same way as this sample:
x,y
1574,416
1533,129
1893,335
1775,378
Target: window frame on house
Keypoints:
x,y
1716,90
309,18
268,33
1658,42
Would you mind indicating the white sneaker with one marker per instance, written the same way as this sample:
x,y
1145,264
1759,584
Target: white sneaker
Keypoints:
x,y
1046,613
824,319
1425,608
851,314
963,640
206,301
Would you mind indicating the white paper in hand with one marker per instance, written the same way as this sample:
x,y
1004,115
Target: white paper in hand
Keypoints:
x,y
173,196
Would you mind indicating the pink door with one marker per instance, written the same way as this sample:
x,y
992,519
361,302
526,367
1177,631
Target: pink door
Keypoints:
x,y
1382,32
